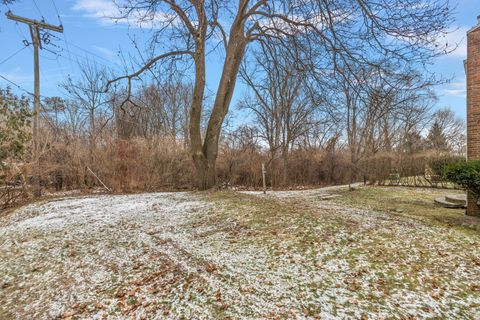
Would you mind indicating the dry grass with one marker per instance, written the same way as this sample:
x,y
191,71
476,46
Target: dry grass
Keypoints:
x,y
416,203
227,255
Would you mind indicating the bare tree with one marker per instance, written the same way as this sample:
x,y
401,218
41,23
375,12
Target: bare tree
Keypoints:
x,y
53,107
161,110
88,91
177,97
334,34
282,108
385,112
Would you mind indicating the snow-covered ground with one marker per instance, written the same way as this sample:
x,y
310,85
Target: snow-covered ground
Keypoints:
x,y
289,255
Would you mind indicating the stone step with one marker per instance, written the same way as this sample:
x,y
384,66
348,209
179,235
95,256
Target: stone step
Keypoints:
x,y
442,201
457,198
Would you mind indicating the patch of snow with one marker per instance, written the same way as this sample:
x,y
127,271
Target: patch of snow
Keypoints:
x,y
174,255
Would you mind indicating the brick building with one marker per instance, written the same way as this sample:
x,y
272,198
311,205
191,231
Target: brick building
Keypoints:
x,y
472,68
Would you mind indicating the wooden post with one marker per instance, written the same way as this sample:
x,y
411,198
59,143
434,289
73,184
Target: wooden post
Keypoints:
x,y
37,189
35,27
263,177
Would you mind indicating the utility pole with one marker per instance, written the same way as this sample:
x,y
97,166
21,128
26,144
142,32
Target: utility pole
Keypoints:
x,y
35,27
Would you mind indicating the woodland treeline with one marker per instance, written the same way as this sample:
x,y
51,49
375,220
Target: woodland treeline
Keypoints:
x,y
302,142
336,92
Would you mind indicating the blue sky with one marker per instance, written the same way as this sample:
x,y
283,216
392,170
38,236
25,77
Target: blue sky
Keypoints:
x,y
89,35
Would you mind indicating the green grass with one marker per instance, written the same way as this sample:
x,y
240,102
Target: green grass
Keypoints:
x,y
416,203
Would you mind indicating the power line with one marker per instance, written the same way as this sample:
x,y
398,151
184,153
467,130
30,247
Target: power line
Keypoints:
x,y
56,10
16,85
52,52
64,74
69,43
20,87
94,54
77,57
71,56
8,6
12,55
20,32
38,9
84,58
64,40
68,49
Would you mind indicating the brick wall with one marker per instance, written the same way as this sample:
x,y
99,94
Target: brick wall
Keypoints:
x,y
473,105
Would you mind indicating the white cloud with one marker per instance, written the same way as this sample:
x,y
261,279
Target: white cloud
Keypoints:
x,y
458,37
102,10
455,92
108,13
457,88
109,55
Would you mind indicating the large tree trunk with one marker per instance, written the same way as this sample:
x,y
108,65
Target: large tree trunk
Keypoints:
x,y
206,174
473,209
205,155
196,147
273,167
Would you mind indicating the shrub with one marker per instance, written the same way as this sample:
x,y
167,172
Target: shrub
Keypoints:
x,y
438,164
14,140
14,126
465,174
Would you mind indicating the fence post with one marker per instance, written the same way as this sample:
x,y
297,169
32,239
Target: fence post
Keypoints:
x,y
263,177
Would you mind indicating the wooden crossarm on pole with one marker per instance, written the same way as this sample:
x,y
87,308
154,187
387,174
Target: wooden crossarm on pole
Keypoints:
x,y
33,22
